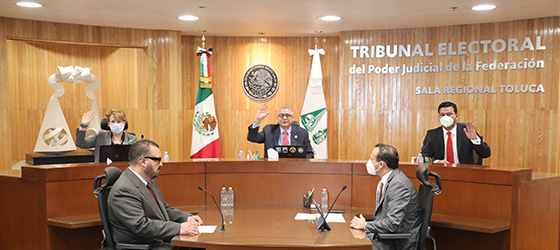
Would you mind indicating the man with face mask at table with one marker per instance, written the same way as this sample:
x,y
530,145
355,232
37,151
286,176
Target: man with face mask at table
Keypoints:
x,y
397,208
452,142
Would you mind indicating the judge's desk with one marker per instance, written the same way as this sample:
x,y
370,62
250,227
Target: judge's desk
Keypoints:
x,y
481,207
253,227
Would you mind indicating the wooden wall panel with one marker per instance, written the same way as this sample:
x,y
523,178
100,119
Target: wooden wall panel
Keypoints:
x,y
5,112
156,86
139,71
548,211
22,215
32,64
384,107
232,56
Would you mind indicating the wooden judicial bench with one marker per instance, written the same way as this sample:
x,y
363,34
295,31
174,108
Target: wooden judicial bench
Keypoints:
x,y
481,207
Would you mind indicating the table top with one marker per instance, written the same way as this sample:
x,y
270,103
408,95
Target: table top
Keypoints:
x,y
272,226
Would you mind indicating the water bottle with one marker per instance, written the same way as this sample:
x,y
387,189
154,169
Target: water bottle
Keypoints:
x,y
230,196
420,159
223,197
166,157
324,200
240,156
231,214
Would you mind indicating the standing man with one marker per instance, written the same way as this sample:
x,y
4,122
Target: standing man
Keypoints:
x,y
285,132
452,142
397,208
137,211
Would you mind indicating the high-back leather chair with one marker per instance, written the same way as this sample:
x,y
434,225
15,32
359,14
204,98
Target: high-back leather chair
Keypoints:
x,y
426,193
102,193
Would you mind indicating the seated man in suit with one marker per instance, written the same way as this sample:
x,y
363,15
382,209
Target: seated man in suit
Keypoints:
x,y
397,207
137,211
452,142
285,132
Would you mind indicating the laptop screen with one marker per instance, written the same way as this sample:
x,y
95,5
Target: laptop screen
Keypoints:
x,y
113,152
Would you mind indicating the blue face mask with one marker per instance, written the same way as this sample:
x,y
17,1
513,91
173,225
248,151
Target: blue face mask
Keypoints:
x,y
117,128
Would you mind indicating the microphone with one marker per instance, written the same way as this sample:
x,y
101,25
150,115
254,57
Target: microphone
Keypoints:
x,y
223,223
343,188
424,147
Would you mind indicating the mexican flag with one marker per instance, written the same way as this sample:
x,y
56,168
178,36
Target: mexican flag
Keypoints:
x,y
314,112
205,136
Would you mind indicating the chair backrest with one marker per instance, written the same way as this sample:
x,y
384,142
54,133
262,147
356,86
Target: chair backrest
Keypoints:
x,y
426,196
102,193
105,125
477,159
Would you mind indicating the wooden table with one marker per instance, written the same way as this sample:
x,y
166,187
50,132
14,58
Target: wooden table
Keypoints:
x,y
272,227
481,207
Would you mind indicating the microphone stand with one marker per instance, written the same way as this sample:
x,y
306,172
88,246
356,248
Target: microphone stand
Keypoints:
x,y
219,210
343,188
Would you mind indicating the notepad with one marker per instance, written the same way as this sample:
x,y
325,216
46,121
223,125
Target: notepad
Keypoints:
x,y
207,229
331,218
335,218
306,216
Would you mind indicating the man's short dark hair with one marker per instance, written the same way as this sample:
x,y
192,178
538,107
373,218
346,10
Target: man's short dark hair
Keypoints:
x,y
388,154
140,149
446,105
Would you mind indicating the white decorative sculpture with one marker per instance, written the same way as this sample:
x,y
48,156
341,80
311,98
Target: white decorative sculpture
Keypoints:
x,y
55,137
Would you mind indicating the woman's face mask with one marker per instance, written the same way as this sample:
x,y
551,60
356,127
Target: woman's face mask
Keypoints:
x,y
117,128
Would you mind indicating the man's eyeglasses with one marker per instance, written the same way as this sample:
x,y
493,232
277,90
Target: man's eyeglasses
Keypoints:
x,y
156,159
284,115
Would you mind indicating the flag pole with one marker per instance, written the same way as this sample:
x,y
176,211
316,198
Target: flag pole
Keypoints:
x,y
204,39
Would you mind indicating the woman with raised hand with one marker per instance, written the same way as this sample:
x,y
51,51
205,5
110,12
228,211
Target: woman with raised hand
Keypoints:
x,y
116,119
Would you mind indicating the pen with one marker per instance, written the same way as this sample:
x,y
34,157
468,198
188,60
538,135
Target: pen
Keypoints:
x,y
311,192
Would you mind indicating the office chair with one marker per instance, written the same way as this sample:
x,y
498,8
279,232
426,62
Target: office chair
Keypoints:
x,y
102,193
477,159
426,198
105,125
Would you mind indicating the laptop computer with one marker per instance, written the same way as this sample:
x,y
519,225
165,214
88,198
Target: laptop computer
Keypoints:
x,y
291,151
113,152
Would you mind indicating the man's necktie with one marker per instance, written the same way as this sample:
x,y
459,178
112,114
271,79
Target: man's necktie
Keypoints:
x,y
285,141
450,158
151,191
379,193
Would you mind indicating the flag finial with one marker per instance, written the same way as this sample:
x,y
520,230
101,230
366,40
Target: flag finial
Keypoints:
x,y
315,42
203,39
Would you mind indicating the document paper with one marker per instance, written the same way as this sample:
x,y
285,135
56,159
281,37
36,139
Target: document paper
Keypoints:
x,y
333,217
207,229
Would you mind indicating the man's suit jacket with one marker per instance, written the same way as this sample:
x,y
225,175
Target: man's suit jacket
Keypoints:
x,y
436,147
271,133
101,138
135,216
398,212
